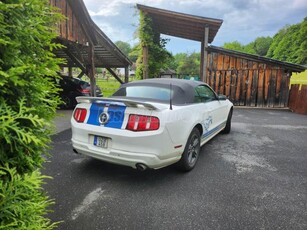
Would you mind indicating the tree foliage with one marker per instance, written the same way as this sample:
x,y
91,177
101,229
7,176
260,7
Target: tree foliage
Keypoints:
x,y
237,46
259,47
28,96
188,63
158,56
290,44
23,203
124,47
28,102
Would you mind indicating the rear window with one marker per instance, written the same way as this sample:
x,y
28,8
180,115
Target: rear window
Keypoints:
x,y
148,92
83,84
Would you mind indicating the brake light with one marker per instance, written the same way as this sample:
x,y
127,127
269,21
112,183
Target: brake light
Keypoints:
x,y
142,123
79,115
85,91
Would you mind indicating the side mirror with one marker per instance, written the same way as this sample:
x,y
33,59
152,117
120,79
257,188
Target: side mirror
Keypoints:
x,y
221,97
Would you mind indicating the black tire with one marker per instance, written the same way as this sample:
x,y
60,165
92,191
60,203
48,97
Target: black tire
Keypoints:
x,y
191,152
227,128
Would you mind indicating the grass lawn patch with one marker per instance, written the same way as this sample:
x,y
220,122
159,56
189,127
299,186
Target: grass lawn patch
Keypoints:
x,y
108,87
299,78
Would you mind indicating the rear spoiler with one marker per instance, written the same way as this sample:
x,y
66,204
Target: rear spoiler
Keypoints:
x,y
116,101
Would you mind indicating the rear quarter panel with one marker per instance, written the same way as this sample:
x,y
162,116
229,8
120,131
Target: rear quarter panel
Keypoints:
x,y
182,119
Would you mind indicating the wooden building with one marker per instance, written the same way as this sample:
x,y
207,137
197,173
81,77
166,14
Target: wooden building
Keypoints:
x,y
250,80
86,46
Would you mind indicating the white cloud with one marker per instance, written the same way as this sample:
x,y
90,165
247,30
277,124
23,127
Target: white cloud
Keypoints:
x,y
244,20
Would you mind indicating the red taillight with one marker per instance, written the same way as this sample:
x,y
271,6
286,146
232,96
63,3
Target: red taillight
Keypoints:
x,y
85,91
80,115
142,123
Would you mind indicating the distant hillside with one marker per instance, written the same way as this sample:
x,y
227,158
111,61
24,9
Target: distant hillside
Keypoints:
x,y
289,44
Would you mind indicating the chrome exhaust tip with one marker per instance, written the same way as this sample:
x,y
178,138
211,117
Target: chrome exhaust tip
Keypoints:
x,y
141,167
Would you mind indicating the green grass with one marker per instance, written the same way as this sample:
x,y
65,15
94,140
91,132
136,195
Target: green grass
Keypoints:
x,y
108,87
299,78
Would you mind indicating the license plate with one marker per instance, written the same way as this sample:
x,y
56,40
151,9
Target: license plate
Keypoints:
x,y
101,141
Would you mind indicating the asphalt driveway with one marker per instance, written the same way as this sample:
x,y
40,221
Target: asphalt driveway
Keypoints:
x,y
253,178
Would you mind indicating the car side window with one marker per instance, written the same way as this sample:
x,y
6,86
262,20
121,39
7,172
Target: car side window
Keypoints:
x,y
203,93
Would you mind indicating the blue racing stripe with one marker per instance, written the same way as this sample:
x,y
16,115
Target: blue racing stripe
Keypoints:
x,y
211,132
117,115
95,111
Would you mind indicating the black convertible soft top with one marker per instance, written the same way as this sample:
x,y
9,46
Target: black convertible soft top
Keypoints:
x,y
183,90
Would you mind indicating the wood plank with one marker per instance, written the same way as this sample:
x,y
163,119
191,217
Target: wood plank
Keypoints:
x,y
228,83
283,90
215,58
209,62
217,81
267,76
233,87
250,64
220,62
287,89
70,24
278,86
211,78
244,64
260,86
254,87
232,63
272,88
226,62
222,83
302,108
239,87
249,83
238,64
293,96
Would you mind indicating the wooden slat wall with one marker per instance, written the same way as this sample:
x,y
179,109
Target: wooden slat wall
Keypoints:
x,y
248,83
298,99
69,28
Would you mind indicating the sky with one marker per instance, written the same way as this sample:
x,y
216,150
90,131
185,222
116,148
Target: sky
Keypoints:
x,y
243,20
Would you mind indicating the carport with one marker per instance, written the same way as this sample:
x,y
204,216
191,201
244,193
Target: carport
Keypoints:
x,y
196,28
85,45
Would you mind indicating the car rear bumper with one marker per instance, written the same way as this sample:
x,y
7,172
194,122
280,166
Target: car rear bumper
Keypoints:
x,y
124,157
153,149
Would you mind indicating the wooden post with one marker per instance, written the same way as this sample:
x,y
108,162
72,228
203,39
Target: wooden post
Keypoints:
x,y
202,61
126,74
145,62
204,54
91,70
69,71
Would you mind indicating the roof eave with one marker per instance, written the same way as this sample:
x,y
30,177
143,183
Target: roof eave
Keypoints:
x,y
289,66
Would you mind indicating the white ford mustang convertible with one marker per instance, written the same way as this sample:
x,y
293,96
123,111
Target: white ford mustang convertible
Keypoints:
x,y
150,123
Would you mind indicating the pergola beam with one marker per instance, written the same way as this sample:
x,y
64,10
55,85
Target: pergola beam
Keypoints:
x,y
182,25
75,59
114,75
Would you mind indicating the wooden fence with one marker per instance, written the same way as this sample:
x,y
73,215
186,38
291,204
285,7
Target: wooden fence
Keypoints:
x,y
247,82
298,99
